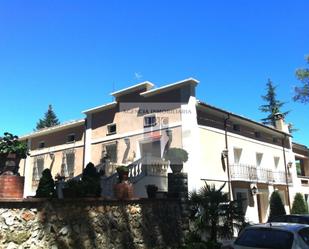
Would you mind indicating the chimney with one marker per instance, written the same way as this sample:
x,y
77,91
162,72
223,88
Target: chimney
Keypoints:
x,y
280,124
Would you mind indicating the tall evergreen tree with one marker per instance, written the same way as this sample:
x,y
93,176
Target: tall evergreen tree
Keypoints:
x,y
272,106
299,205
46,186
302,92
50,119
276,205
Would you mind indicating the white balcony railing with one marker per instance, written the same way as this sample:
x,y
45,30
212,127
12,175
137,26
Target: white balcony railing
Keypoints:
x,y
252,173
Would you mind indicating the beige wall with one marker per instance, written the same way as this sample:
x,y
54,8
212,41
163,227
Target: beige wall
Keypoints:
x,y
58,137
127,154
129,121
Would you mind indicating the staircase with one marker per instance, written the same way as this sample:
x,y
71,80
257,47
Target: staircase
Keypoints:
x,y
147,170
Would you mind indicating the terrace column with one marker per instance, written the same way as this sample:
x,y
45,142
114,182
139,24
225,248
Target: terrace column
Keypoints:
x,y
88,134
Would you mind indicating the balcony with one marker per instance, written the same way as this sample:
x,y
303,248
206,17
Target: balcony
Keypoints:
x,y
252,173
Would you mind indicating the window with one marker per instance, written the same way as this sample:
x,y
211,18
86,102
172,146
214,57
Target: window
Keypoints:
x,y
68,163
38,168
304,234
265,238
41,145
237,155
275,140
300,167
111,129
236,127
257,134
111,152
150,120
259,157
71,138
276,161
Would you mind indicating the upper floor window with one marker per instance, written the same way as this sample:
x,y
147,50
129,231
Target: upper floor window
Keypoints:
x,y
71,138
299,162
236,127
41,145
257,134
259,157
111,129
237,154
150,120
275,140
276,161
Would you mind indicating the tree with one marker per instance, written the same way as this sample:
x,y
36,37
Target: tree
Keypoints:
x,y
299,205
302,92
272,106
46,186
213,213
276,205
50,119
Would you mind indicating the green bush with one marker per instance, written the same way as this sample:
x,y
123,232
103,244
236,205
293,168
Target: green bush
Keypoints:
x,y
46,186
276,205
91,181
88,186
299,206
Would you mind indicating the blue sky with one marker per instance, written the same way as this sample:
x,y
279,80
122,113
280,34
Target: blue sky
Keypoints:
x,y
72,54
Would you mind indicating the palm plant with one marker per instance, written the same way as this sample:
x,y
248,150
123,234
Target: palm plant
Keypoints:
x,y
214,214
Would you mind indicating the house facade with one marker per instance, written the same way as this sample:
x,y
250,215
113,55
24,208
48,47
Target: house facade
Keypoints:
x,y
142,122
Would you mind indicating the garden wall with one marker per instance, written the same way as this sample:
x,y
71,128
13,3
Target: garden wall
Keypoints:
x,y
91,223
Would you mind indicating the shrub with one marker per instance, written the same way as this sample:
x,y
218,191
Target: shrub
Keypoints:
x,y
299,206
46,186
276,205
91,181
214,214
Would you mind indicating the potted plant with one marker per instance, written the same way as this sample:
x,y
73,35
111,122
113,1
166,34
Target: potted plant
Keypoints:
x,y
151,190
177,157
123,189
11,152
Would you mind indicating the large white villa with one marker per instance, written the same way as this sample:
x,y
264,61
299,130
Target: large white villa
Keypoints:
x,y
143,121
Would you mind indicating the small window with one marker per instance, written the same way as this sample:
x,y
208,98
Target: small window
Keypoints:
x,y
41,145
259,157
236,127
150,121
111,129
275,140
237,155
276,161
257,134
71,138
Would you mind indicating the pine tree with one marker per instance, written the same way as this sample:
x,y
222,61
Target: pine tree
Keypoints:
x,y
272,106
276,205
46,186
302,92
299,205
50,119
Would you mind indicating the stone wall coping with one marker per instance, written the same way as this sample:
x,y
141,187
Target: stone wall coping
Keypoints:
x,y
89,201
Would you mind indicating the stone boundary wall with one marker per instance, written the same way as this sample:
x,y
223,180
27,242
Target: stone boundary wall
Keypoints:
x,y
91,223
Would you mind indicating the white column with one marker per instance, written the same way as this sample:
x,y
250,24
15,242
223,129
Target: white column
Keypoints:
x,y
88,134
28,173
191,143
